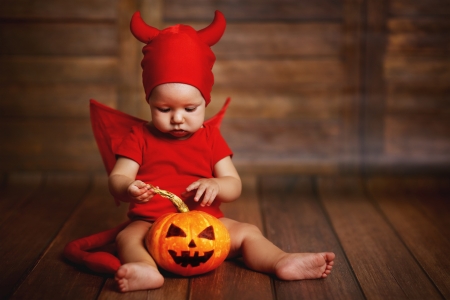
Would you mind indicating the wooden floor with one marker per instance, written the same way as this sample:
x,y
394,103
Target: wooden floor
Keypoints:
x,y
391,237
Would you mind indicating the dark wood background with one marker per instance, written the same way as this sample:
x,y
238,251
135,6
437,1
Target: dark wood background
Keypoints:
x,y
317,86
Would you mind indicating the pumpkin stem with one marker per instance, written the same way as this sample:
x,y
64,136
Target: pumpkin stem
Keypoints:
x,y
179,204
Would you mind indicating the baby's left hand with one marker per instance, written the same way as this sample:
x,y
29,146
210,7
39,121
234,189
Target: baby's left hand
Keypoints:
x,y
206,187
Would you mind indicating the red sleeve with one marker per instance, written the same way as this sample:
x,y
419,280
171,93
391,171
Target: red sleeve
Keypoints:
x,y
131,146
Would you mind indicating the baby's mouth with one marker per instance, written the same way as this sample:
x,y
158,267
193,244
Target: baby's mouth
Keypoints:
x,y
178,132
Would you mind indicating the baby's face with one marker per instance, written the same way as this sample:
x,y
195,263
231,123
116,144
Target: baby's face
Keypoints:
x,y
177,109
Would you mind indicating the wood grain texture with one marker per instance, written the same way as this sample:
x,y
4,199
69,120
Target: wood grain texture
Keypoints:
x,y
414,8
57,10
425,72
173,288
95,213
176,10
353,33
420,214
418,139
269,40
278,75
46,212
365,69
16,191
53,100
382,263
74,39
418,101
262,141
307,104
373,100
131,98
295,222
418,36
57,70
48,144
390,237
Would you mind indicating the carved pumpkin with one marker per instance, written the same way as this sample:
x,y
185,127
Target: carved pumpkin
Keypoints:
x,y
189,242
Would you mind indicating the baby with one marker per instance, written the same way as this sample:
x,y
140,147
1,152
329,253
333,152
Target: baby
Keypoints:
x,y
178,152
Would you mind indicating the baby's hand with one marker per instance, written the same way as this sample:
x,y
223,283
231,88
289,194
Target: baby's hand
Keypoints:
x,y
208,188
140,192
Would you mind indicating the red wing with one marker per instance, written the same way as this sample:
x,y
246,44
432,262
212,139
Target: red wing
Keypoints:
x,y
110,126
216,120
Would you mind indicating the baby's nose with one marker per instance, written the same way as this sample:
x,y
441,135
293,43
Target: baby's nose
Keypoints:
x,y
177,118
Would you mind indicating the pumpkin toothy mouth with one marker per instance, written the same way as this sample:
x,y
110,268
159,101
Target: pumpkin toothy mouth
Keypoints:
x,y
185,259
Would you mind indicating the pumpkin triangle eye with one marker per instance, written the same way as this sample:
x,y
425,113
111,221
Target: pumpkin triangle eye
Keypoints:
x,y
175,231
207,233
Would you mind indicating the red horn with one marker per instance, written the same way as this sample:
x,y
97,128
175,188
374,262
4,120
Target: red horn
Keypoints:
x,y
141,30
212,33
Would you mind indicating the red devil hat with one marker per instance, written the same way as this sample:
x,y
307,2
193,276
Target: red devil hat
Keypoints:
x,y
178,54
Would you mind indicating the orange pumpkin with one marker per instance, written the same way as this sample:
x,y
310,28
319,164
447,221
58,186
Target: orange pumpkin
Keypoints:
x,y
189,242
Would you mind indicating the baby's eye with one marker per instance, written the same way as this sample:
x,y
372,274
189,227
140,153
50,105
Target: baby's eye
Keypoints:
x,y
190,109
164,110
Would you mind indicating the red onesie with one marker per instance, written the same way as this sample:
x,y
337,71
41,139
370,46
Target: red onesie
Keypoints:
x,y
173,165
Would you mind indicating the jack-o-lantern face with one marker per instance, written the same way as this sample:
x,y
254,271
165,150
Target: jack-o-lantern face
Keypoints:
x,y
188,243
185,258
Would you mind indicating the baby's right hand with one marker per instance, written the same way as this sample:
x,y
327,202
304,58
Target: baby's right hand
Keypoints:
x,y
140,192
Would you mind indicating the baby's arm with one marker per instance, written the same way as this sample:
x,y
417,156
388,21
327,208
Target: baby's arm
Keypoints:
x,y
226,185
123,184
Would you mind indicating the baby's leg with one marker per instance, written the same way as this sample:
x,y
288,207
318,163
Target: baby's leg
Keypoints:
x,y
139,271
262,255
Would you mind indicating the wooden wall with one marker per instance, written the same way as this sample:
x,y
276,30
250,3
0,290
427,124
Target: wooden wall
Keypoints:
x,y
317,86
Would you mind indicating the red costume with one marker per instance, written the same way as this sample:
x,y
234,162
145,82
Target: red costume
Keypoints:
x,y
175,54
173,165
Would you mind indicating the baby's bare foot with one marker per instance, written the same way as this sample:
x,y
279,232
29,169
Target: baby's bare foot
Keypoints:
x,y
138,276
297,266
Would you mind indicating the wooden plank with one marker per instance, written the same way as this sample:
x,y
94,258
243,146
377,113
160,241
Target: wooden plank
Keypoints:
x,y
295,221
353,27
279,75
232,280
54,277
247,207
54,9
178,11
417,137
232,277
373,83
382,263
58,70
16,191
35,38
426,194
412,8
416,100
305,104
61,144
424,72
271,40
130,93
53,100
417,212
260,141
174,288
31,228
418,36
